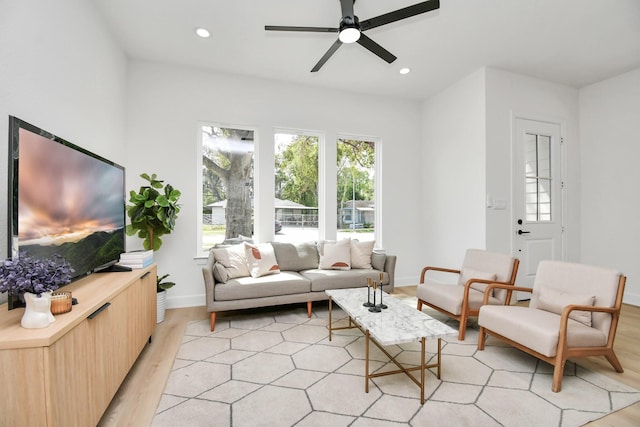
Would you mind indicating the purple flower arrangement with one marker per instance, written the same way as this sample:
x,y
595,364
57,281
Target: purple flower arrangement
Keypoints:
x,y
27,274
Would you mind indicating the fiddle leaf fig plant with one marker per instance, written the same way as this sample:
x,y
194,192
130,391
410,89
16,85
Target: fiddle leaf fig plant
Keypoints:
x,y
153,211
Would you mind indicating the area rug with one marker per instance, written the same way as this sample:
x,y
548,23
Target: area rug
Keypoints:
x,y
276,367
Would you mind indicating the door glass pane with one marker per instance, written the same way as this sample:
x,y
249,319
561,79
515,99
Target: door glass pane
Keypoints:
x,y
537,158
296,185
227,184
356,189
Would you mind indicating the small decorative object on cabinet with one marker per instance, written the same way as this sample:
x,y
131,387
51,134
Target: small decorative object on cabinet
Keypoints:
x,y
37,313
34,279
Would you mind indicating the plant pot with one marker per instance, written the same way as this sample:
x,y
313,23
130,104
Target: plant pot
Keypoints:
x,y
161,301
37,313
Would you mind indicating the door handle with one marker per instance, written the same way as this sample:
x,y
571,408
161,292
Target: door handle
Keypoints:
x,y
523,232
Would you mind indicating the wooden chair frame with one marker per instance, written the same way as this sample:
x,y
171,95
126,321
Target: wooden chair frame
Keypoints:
x,y
564,352
466,311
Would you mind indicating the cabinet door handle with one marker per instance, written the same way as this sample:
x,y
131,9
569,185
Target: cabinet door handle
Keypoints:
x,y
98,311
145,274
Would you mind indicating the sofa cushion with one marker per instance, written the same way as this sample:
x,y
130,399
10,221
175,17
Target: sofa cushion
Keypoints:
x,y
335,255
220,273
449,297
361,253
284,283
233,259
537,329
261,259
555,302
470,273
296,256
321,280
377,260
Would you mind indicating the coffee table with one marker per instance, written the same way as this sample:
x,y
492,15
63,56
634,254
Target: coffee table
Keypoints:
x,y
397,324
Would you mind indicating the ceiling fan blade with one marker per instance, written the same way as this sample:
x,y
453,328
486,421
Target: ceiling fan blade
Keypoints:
x,y
306,29
327,55
399,14
376,48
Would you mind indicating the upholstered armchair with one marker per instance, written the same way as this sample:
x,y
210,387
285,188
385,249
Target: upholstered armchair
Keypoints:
x,y
462,299
573,312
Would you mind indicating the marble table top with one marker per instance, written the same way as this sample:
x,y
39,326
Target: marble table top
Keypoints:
x,y
399,323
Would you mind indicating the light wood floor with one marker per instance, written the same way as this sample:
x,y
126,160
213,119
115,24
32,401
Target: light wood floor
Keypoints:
x,y
136,401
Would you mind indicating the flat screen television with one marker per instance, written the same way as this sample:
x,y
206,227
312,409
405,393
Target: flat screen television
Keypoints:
x,y
63,200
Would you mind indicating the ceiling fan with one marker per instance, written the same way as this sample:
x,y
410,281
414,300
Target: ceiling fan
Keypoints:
x,y
351,28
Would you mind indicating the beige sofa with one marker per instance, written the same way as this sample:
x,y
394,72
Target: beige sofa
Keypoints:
x,y
300,279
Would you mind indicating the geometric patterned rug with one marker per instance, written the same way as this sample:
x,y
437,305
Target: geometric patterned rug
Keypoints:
x,y
276,367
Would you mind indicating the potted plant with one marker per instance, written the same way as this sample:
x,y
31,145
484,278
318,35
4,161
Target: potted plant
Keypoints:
x,y
34,279
161,293
153,212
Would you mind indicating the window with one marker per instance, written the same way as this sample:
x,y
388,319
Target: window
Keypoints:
x,y
296,187
227,184
538,177
356,188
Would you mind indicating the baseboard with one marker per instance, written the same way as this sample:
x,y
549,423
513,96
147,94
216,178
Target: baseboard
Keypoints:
x,y
186,301
632,299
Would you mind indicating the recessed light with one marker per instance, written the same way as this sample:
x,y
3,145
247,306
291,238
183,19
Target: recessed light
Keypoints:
x,y
405,70
202,32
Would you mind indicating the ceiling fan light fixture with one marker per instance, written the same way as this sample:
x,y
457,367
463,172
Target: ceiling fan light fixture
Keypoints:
x,y
349,35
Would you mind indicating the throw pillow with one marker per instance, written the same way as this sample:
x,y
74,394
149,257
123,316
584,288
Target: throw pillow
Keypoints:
x,y
233,259
555,301
296,256
361,254
220,273
335,255
377,260
469,273
261,259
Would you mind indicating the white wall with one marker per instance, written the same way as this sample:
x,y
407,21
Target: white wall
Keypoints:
x,y
453,172
166,103
610,151
61,71
510,94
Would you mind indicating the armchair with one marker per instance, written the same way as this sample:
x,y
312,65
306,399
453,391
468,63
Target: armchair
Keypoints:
x,y
462,299
573,312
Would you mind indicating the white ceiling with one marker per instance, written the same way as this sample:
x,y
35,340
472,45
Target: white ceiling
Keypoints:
x,y
573,42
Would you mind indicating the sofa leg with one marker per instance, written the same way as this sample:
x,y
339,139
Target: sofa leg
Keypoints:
x,y
309,308
419,305
213,320
482,336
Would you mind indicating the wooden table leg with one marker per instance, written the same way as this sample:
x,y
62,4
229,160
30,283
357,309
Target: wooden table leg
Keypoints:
x,y
439,355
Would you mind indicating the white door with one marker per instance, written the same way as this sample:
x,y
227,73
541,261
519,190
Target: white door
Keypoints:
x,y
538,197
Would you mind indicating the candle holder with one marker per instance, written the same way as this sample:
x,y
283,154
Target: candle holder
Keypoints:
x,y
375,308
368,303
381,305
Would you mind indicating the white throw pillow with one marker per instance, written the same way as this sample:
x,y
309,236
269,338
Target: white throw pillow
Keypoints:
x,y
361,254
261,259
335,255
233,259
555,302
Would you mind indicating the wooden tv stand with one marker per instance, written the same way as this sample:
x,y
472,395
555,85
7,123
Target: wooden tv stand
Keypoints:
x,y
67,374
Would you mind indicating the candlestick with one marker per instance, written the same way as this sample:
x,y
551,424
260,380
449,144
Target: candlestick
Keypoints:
x,y
381,305
368,303
375,308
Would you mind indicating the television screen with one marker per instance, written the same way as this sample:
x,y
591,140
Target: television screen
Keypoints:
x,y
63,200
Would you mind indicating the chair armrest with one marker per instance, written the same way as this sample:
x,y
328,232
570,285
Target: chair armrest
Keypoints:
x,y
498,285
445,270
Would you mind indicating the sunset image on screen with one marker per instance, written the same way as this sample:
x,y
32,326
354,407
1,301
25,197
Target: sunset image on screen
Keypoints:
x,y
64,195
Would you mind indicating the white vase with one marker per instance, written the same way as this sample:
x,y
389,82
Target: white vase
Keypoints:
x,y
161,301
37,313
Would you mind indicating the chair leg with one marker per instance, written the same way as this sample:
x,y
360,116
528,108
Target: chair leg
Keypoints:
x,y
558,372
613,359
419,305
482,336
463,329
213,320
309,308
